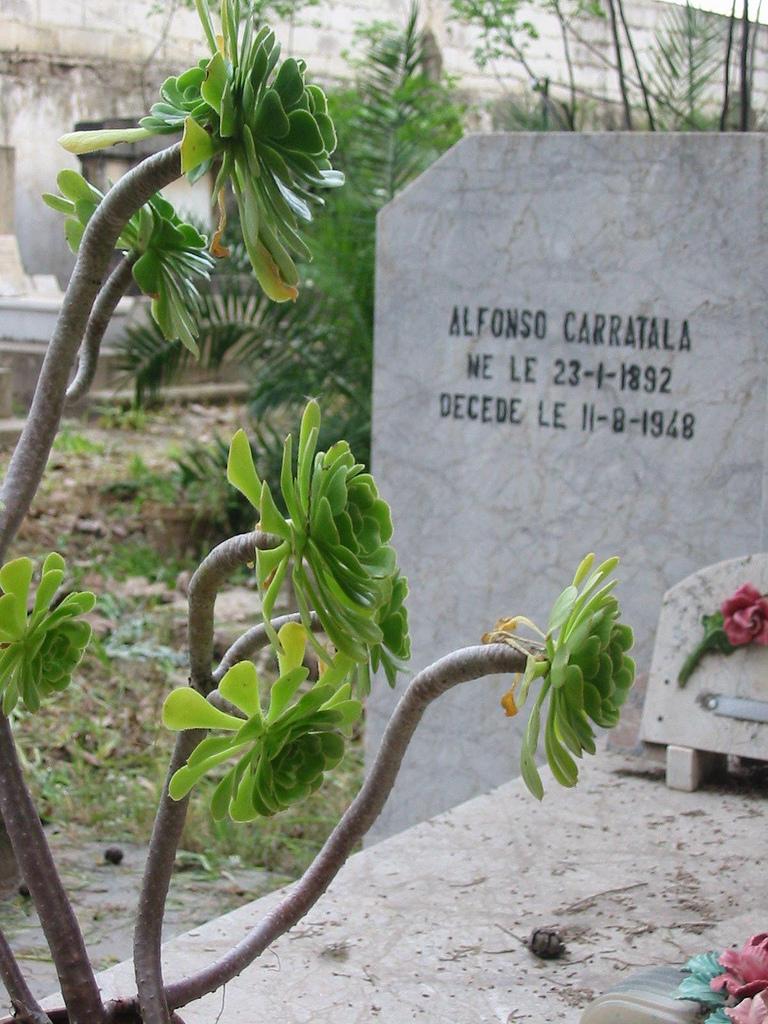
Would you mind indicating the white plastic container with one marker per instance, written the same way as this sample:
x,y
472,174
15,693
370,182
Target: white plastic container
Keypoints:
x,y
645,998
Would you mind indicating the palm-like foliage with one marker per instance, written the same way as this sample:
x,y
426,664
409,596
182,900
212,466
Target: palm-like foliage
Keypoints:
x,y
685,61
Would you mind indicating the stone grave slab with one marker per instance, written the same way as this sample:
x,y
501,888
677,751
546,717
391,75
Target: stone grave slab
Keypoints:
x,y
429,925
570,356
7,189
723,706
13,280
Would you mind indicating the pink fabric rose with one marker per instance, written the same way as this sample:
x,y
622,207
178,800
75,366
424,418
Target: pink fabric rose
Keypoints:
x,y
746,616
746,971
750,1011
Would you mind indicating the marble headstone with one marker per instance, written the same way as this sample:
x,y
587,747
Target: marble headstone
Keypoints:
x,y
723,707
570,356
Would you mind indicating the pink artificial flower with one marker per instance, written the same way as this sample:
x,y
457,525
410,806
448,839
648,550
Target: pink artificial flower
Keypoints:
x,y
746,616
750,1011
746,970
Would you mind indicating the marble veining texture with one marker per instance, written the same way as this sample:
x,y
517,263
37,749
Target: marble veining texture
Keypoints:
x,y
492,518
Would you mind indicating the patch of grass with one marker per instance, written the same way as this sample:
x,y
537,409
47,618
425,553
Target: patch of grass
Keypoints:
x,y
72,442
140,559
115,417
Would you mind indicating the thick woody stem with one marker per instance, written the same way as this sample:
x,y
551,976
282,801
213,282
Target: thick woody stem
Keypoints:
x,y
31,454
171,814
117,285
26,1008
459,667
59,924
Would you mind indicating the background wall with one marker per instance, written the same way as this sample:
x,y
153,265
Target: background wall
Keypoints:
x,y
63,61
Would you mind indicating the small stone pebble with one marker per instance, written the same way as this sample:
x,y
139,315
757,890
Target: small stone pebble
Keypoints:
x,y
113,855
546,943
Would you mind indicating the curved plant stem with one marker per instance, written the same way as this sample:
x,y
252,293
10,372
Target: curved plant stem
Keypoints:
x,y
105,305
26,1008
59,924
204,586
253,640
166,836
31,454
459,667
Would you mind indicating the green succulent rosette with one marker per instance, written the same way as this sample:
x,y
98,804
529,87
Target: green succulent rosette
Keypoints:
x,y
266,128
280,753
168,253
583,668
335,544
41,648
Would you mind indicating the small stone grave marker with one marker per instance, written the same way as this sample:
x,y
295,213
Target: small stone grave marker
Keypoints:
x,y
570,357
723,706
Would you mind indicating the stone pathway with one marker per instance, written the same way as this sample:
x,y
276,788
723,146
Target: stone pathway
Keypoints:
x,y
105,896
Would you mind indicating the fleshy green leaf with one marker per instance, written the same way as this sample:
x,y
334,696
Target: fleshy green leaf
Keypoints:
x,y
185,708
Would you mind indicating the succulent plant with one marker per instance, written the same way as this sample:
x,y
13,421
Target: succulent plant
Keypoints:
x,y
40,648
584,670
283,752
267,127
335,543
167,252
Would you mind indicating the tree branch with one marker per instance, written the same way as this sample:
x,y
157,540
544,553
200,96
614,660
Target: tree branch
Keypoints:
x,y
459,667
638,68
26,1008
744,71
571,105
117,284
204,586
727,78
31,454
620,67
62,932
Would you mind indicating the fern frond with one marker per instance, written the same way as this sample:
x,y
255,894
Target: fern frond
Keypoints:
x,y
685,61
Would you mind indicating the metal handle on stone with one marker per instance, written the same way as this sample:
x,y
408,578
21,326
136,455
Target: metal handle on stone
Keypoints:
x,y
743,708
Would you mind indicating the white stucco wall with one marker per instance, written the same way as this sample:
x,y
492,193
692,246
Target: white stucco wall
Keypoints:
x,y
63,61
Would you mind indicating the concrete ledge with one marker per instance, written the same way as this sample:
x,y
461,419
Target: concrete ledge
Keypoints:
x,y
426,926
210,393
